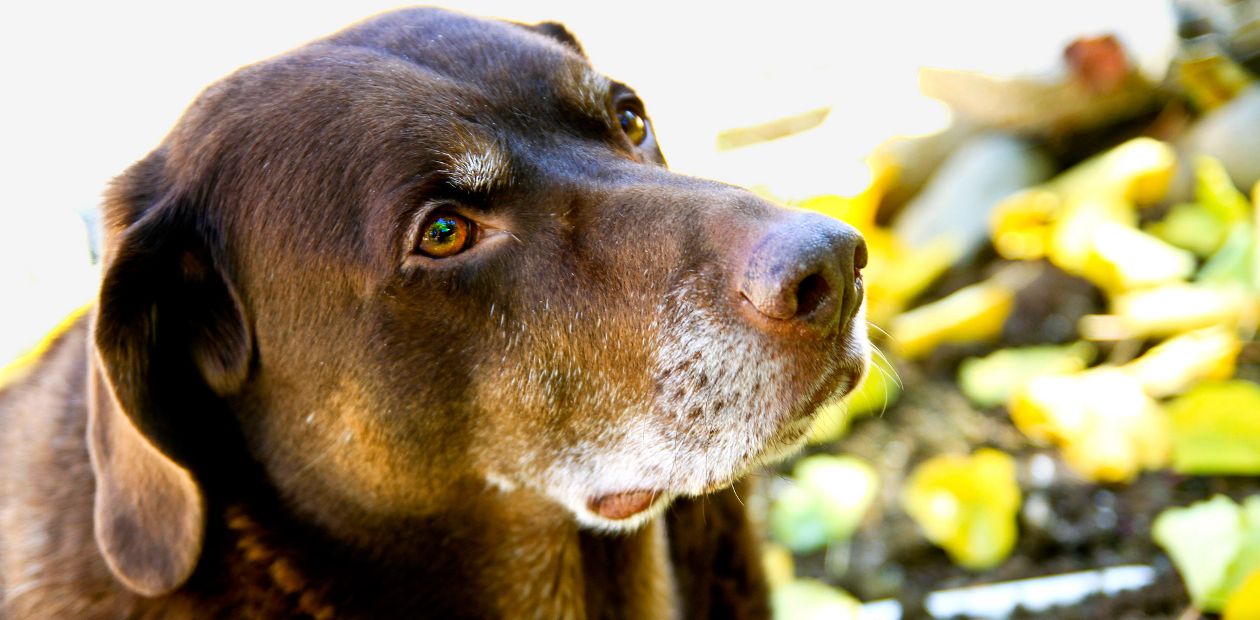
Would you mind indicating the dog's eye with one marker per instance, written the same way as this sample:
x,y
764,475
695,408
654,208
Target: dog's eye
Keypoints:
x,y
633,124
445,235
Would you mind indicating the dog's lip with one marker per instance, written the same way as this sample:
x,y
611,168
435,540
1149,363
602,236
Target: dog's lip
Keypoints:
x,y
623,505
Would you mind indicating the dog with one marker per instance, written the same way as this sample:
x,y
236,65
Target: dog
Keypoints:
x,y
410,322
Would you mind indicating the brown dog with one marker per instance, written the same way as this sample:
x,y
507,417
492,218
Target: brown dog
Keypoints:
x,y
413,322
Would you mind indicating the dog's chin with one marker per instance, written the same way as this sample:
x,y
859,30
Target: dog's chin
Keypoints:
x,y
624,503
627,511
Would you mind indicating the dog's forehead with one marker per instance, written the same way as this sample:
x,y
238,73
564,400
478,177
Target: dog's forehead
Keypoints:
x,y
354,120
496,54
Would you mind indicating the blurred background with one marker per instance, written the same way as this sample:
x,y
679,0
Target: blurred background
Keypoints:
x,y
1064,420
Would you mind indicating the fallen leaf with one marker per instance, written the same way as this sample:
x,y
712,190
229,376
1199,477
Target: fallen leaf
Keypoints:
x,y
989,381
809,599
967,505
1137,171
895,273
827,501
972,314
1215,545
1244,603
1216,429
778,563
1192,227
1121,258
1181,361
1211,79
1057,217
1168,310
1234,263
1216,192
1101,419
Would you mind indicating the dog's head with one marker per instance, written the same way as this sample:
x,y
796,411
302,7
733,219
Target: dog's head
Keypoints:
x,y
431,254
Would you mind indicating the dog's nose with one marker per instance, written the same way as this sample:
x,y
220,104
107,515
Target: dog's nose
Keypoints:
x,y
805,271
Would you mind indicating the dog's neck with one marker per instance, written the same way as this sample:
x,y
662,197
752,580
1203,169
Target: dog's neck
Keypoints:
x,y
525,562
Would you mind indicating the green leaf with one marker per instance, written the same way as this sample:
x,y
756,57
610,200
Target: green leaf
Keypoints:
x,y
1216,429
1217,193
1215,545
1190,226
1232,264
989,381
808,599
826,504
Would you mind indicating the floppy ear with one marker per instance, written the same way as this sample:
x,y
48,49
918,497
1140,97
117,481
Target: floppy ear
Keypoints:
x,y
170,336
557,31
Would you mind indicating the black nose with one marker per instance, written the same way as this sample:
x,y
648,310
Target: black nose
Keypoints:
x,y
805,271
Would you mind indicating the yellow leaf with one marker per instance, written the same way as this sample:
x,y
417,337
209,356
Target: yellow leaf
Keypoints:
x,y
1073,239
778,563
972,314
967,505
1120,258
852,210
1181,361
1138,171
896,274
1106,426
1022,223
1244,603
1028,224
989,381
1168,310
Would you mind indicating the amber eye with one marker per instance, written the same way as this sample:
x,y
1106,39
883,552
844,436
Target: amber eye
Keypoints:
x,y
633,124
445,235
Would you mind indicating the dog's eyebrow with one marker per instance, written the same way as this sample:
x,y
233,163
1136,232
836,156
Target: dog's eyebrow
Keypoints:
x,y
589,90
476,164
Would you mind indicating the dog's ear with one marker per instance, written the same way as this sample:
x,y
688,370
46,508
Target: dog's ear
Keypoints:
x,y
557,31
170,338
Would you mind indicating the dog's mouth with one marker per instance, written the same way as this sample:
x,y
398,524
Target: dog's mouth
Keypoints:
x,y
622,508
619,506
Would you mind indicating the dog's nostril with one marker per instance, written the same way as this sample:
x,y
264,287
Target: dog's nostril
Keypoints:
x,y
859,256
811,293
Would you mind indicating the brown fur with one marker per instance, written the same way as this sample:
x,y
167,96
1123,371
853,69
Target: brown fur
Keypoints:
x,y
278,409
